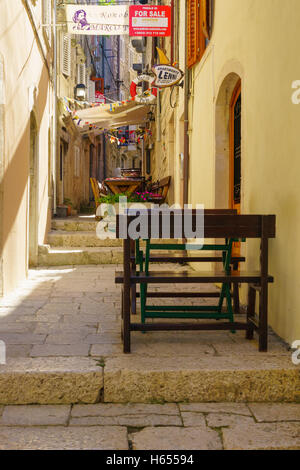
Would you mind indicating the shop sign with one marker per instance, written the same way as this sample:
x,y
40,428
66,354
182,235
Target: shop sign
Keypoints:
x,y
149,20
97,20
166,75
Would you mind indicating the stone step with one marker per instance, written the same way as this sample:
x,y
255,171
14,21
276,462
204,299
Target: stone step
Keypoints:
x,y
65,256
74,224
146,379
63,238
260,378
53,380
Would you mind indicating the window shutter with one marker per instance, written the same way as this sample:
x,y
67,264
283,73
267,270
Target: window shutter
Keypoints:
x,y
66,55
81,74
193,19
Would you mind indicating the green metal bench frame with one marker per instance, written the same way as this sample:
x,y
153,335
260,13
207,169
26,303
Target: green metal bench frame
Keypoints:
x,y
209,312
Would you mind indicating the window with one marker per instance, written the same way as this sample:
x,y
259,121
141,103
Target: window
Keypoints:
x,y
91,91
66,55
81,74
199,18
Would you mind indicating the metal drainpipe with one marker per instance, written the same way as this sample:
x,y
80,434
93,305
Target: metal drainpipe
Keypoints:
x,y
54,123
186,122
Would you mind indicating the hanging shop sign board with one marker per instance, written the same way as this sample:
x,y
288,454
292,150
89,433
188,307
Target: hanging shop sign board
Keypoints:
x,y
149,96
99,97
149,20
166,75
97,20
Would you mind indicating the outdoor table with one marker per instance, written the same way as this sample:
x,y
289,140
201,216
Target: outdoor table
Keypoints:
x,y
123,185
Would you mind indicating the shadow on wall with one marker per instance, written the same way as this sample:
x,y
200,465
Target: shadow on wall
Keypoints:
x,y
16,175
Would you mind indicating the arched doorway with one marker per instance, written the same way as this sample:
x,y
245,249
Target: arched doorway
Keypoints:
x,y
235,146
33,197
228,143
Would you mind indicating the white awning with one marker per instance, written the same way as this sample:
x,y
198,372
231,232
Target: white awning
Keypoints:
x,y
99,118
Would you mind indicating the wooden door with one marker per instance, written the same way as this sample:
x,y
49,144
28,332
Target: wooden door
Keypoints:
x,y
235,156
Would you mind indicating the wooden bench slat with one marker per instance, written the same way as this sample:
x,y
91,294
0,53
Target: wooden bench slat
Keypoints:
x,y
188,326
178,295
166,277
177,258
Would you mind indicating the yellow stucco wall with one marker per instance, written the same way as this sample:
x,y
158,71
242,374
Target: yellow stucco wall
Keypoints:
x,y
258,41
24,67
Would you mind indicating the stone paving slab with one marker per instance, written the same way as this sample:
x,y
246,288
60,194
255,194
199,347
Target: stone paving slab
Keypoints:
x,y
35,415
136,421
219,420
231,408
172,438
103,409
60,350
262,437
274,412
132,415
60,438
22,338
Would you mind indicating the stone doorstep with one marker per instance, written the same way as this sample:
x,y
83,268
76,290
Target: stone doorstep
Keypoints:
x,y
54,380
144,379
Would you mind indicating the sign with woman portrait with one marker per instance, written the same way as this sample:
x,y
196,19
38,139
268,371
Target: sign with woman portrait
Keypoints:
x,y
97,20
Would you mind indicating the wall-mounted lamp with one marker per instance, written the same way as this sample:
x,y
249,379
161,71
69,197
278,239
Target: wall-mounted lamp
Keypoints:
x,y
80,92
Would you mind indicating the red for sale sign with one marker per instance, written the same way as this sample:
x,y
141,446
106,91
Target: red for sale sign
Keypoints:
x,y
149,20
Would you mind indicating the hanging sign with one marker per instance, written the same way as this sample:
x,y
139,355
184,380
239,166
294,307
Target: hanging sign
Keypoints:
x,y
149,20
97,20
99,97
166,75
146,97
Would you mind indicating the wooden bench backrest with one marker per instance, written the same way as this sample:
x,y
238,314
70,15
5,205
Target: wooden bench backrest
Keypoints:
x,y
162,187
95,188
216,225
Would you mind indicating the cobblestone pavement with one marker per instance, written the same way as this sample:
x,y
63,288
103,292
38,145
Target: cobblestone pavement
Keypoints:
x,y
73,314
206,426
75,311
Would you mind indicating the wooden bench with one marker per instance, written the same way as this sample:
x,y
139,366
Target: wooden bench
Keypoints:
x,y
138,258
161,188
99,190
215,226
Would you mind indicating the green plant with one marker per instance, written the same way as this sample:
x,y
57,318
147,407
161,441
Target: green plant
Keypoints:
x,y
68,202
114,198
135,197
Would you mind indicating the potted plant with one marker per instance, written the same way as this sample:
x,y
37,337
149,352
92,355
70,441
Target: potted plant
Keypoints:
x,y
69,205
114,199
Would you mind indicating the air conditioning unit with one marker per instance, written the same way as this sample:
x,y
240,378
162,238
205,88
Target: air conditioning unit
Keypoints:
x,y
137,68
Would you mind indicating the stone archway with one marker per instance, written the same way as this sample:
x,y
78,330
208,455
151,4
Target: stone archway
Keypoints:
x,y
2,149
222,136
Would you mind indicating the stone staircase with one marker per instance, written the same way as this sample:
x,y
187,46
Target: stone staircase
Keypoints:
x,y
73,241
